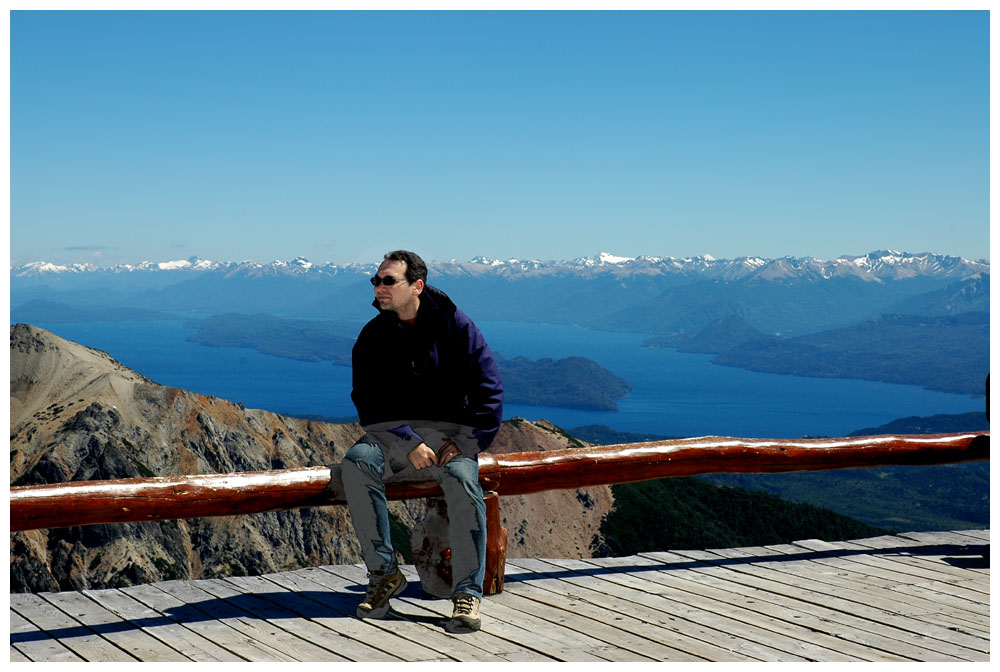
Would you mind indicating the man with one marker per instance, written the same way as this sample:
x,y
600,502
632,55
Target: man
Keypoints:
x,y
429,397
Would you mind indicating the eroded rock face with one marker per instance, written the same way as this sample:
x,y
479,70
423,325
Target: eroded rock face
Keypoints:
x,y
77,414
556,523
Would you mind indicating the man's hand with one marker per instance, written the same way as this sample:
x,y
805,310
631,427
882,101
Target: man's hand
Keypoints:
x,y
448,452
422,456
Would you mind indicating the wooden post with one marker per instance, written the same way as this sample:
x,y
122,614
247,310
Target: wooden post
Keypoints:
x,y
496,546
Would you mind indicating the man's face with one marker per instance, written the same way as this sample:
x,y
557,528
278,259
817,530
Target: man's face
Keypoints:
x,y
400,297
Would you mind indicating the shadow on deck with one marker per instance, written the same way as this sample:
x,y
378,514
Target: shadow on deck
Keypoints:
x,y
917,597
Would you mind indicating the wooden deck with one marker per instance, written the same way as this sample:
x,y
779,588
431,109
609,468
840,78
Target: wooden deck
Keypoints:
x,y
915,597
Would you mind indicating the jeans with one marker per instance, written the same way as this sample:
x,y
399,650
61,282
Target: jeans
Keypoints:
x,y
363,470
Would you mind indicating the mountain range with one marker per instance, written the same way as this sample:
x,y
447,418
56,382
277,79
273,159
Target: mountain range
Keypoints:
x,y
764,310
874,266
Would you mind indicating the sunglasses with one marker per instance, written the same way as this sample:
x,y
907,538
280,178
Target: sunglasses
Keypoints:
x,y
386,280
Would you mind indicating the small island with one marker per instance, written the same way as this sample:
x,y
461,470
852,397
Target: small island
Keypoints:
x,y
572,382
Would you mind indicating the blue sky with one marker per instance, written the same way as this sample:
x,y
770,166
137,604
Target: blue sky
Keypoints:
x,y
340,135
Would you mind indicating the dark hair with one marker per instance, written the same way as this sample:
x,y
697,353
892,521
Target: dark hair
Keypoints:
x,y
416,269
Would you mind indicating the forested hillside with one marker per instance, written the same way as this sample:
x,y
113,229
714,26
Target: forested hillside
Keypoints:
x,y
689,513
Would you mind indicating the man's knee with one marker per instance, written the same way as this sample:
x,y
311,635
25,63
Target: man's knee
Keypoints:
x,y
462,472
363,458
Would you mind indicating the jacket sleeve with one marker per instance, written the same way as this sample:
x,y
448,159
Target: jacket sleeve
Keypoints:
x,y
483,385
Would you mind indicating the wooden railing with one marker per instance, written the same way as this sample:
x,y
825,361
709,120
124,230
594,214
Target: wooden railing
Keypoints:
x,y
144,499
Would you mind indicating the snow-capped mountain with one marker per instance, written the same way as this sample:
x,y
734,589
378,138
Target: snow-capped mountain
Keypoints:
x,y
879,265
659,295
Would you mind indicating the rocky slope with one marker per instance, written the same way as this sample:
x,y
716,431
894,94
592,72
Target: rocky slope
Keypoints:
x,y
77,414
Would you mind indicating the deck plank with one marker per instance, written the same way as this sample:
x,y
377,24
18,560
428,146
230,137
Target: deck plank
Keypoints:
x,y
112,627
18,657
188,643
339,617
953,559
661,629
291,635
880,610
275,645
883,581
747,638
28,642
543,616
899,567
936,593
71,633
803,607
247,583
624,630
428,615
211,626
746,612
826,628
311,620
912,597
872,619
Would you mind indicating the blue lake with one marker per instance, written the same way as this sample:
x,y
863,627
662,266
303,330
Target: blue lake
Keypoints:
x,y
674,394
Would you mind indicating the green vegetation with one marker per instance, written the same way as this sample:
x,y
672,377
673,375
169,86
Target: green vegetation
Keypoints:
x,y
573,382
949,354
559,431
945,423
689,513
903,498
305,340
143,470
400,535
168,570
599,435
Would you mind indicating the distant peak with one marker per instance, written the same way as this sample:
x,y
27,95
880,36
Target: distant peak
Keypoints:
x,y
170,265
608,258
603,259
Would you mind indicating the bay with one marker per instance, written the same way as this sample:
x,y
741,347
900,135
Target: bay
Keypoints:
x,y
675,394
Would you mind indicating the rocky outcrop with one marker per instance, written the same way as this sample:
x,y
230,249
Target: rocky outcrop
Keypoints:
x,y
556,523
77,414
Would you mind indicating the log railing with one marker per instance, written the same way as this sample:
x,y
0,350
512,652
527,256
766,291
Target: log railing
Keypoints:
x,y
166,498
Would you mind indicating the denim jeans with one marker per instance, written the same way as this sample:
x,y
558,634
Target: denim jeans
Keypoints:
x,y
363,470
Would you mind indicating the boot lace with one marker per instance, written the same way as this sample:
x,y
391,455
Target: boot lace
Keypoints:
x,y
464,605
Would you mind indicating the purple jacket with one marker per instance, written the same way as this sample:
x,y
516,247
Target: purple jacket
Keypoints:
x,y
440,369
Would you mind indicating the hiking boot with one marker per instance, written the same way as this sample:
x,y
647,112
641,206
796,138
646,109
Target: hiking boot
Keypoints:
x,y
465,617
381,586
